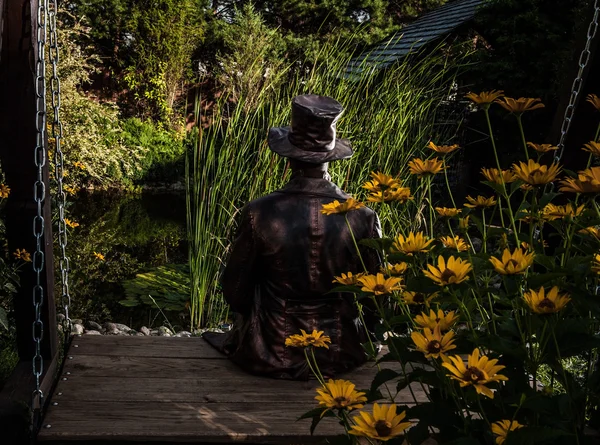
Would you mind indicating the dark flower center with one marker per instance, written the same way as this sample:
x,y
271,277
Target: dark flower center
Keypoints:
x,y
535,172
546,304
341,401
419,298
383,428
512,262
474,374
380,288
447,274
434,347
310,339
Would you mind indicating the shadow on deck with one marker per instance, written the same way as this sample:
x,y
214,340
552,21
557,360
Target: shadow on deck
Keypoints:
x,y
179,390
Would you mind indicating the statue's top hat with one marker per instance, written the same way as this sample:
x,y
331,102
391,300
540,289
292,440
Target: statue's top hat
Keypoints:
x,y
311,135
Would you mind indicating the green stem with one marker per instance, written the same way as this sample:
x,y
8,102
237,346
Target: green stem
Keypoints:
x,y
355,244
448,186
317,373
518,116
429,179
484,230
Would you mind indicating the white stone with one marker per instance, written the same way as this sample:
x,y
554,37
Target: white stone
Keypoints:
x,y
145,331
77,329
164,331
92,332
93,326
122,327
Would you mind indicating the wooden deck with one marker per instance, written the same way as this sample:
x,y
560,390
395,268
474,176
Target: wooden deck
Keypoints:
x,y
178,390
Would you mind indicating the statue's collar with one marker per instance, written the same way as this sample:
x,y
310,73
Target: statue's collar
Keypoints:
x,y
314,186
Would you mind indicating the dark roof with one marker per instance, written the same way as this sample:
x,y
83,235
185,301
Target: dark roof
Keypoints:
x,y
425,29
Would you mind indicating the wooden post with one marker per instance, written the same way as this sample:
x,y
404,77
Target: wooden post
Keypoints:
x,y
17,142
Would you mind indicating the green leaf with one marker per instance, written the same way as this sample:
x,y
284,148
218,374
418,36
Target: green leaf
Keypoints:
x,y
130,302
537,281
418,433
547,198
378,244
382,376
3,319
531,435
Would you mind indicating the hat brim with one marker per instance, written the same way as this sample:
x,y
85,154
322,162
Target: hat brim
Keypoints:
x,y
280,144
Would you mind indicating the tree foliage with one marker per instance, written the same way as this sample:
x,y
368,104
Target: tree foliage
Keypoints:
x,y
528,45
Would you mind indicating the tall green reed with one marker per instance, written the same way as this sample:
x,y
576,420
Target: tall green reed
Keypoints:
x,y
389,118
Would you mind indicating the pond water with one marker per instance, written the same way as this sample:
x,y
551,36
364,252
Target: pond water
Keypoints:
x,y
119,237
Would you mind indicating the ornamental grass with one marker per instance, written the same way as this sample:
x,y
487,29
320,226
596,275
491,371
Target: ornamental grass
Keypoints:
x,y
491,305
389,118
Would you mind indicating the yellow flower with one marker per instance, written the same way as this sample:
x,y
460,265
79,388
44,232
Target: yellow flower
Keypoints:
x,y
478,372
413,243
384,424
409,297
381,182
337,207
70,190
485,98
443,149
99,256
455,242
401,194
394,269
593,231
552,212
340,394
22,254
71,224
4,191
503,427
452,271
596,264
535,174
525,245
463,223
593,147
481,201
540,303
498,176
423,168
520,105
348,279
79,165
380,285
594,100
433,320
432,343
512,263
447,212
316,339
588,181
542,148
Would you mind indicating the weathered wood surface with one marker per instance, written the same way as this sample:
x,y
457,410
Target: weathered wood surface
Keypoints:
x,y
179,390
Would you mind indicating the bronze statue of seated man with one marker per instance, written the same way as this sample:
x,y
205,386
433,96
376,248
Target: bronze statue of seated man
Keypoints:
x,y
287,252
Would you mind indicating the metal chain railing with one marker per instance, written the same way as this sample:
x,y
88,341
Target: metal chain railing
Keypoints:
x,y
584,58
39,195
57,129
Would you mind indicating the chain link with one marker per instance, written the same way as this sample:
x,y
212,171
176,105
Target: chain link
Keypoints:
x,y
584,58
57,131
39,195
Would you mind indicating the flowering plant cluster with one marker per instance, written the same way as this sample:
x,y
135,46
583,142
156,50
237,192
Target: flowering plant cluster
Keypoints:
x,y
485,306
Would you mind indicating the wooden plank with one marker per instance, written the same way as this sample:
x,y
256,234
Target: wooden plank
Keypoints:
x,y
136,346
158,367
231,388
183,422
